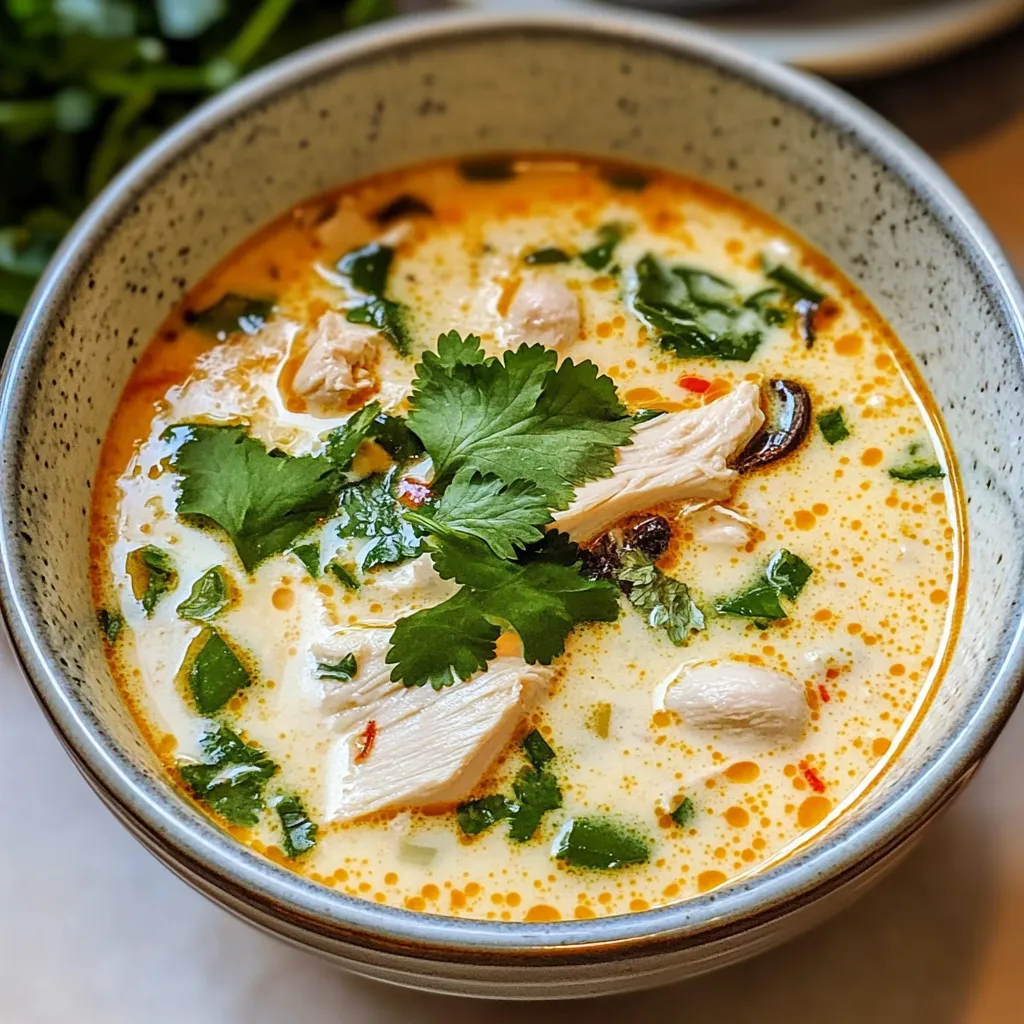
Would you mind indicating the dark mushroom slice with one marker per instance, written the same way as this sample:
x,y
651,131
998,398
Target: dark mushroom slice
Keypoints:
x,y
651,537
402,207
791,424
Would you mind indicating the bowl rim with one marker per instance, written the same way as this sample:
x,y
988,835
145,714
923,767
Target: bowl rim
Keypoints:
x,y
196,847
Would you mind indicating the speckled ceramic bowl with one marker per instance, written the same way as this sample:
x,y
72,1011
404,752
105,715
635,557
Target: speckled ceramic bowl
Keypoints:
x,y
634,88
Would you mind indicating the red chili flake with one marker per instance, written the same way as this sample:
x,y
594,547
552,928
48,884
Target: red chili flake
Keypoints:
x,y
812,777
698,385
413,493
825,695
366,738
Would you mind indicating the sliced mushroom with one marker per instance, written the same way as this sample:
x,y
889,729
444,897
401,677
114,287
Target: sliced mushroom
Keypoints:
x,y
793,422
650,536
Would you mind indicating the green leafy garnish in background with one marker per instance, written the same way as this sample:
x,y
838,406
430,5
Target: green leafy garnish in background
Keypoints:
x,y
209,597
85,86
215,672
231,778
152,574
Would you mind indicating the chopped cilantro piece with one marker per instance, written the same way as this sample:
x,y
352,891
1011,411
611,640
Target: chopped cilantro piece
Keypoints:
x,y
545,257
919,463
342,671
537,749
263,500
342,574
600,255
215,673
599,844
643,415
665,601
152,574
487,169
111,623
476,816
627,180
309,556
395,437
695,314
388,317
231,778
526,418
793,283
536,792
501,515
209,597
785,575
230,315
832,425
299,832
367,268
371,511
684,813
401,207
344,441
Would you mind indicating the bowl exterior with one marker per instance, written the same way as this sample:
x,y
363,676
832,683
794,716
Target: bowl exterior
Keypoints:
x,y
638,89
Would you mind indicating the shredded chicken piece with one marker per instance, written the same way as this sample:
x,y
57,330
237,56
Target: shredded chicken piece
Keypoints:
x,y
429,747
339,368
545,311
740,700
674,457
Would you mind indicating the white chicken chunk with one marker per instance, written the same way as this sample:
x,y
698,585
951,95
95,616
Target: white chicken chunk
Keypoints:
x,y
737,699
428,747
673,457
339,367
717,526
544,311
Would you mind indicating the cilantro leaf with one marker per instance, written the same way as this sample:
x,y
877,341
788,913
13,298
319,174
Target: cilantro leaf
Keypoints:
x,y
388,317
299,832
684,812
309,556
546,256
501,515
152,574
111,623
663,600
919,463
599,256
785,575
215,672
231,778
394,436
342,671
832,425
371,511
263,500
599,844
537,749
536,792
343,441
367,267
209,597
525,418
342,574
231,314
476,816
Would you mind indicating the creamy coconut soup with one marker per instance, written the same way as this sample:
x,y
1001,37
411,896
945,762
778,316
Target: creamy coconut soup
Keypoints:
x,y
526,540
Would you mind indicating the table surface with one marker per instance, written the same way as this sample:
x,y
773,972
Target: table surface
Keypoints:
x,y
93,929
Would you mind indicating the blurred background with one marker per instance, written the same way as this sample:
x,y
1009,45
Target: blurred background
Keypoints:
x,y
94,931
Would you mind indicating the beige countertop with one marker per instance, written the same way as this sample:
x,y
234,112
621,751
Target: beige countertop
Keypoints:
x,y
95,931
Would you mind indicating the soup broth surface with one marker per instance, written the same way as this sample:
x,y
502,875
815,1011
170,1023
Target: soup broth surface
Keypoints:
x,y
532,251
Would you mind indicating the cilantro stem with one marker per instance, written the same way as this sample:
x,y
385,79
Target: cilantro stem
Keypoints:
x,y
26,113
107,154
169,78
257,31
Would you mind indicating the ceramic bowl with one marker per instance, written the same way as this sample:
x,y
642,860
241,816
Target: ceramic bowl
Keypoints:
x,y
636,88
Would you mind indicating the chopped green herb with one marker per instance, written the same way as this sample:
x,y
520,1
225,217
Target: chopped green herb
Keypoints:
x,y
694,313
367,268
388,317
768,303
793,283
544,257
684,813
344,441
402,207
524,418
299,832
111,623
608,237
643,415
599,844
627,180
152,574
341,671
785,575
502,515
395,437
477,816
832,425
263,500
209,597
230,315
371,511
491,169
536,792
231,778
918,463
343,575
537,749
665,601
309,556
215,673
